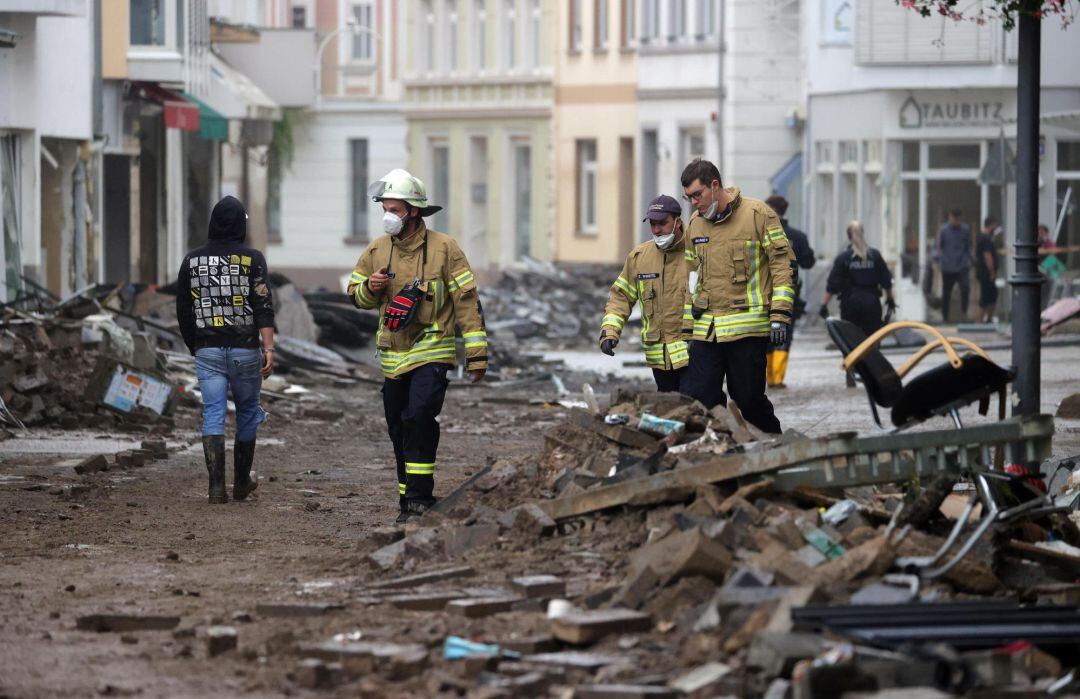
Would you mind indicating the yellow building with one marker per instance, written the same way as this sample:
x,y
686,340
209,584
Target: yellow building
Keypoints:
x,y
596,120
478,103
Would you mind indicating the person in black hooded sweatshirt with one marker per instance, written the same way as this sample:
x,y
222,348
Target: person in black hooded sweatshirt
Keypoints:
x,y
226,314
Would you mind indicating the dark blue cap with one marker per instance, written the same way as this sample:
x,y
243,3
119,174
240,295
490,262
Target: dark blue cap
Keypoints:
x,y
662,207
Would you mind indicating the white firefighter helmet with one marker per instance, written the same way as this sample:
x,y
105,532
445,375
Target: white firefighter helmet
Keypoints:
x,y
399,184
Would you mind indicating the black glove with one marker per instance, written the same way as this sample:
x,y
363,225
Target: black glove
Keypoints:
x,y
778,334
824,311
608,347
891,305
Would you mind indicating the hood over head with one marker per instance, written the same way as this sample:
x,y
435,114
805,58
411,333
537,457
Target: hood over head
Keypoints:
x,y
228,221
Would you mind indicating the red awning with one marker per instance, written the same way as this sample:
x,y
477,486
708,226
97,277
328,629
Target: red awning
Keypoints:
x,y
180,113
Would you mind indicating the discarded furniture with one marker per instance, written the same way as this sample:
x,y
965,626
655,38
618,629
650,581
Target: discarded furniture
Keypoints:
x,y
941,391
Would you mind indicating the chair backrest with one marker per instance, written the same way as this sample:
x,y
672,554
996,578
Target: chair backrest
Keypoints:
x,y
881,380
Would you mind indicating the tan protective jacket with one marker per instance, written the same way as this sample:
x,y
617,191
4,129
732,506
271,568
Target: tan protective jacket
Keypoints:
x,y
450,301
744,271
659,281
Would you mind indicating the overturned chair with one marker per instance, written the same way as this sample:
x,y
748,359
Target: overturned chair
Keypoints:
x,y
943,390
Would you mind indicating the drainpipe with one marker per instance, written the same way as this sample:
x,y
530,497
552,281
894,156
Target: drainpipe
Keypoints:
x,y
721,49
79,204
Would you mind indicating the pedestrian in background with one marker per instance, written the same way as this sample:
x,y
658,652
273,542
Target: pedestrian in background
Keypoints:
x,y
858,277
225,310
656,275
986,268
777,357
954,256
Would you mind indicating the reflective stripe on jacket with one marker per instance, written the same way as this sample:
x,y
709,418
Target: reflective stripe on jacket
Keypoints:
x,y
450,301
658,281
744,271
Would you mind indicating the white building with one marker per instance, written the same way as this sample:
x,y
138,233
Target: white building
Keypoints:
x,y
46,124
755,123
334,66
904,112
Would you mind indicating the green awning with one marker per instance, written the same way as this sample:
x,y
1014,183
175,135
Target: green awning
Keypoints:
x,y
212,126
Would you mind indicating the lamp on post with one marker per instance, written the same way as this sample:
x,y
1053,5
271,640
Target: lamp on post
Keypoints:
x,y
350,26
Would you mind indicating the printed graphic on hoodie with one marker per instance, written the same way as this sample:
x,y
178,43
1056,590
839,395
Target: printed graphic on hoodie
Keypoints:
x,y
220,286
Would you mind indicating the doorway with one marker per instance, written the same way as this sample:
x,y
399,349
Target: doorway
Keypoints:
x,y
117,242
522,200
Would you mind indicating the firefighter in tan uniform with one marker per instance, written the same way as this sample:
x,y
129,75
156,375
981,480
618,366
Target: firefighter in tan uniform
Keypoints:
x,y
743,298
656,276
425,291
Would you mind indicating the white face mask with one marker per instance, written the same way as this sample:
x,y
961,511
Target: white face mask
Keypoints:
x,y
392,224
664,241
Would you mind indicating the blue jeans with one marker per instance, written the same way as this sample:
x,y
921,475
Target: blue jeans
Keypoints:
x,y
218,368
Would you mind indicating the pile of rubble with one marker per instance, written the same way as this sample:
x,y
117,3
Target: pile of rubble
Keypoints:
x,y
657,549
544,305
81,373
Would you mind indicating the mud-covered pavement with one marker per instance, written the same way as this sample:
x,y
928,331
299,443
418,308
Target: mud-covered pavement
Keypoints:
x,y
145,541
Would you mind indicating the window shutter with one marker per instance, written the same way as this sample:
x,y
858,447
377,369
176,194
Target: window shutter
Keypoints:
x,y
887,34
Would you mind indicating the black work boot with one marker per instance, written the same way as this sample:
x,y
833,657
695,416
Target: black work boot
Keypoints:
x,y
417,508
243,457
214,451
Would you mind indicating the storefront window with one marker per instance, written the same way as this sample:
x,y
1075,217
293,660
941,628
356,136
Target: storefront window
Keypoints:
x,y
910,158
1068,156
954,156
909,255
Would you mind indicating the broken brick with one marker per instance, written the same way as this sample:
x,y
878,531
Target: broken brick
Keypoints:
x,y
459,540
220,639
683,554
427,578
528,518
92,464
296,610
580,628
424,602
474,608
104,623
539,586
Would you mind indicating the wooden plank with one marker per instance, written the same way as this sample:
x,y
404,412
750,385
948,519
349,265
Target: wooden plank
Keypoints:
x,y
1038,554
1038,429
425,578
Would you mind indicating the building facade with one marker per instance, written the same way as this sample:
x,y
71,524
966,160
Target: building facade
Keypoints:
x,y
908,118
596,123
334,65
46,128
478,102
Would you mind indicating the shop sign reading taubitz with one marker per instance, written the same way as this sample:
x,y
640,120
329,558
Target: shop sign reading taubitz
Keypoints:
x,y
923,114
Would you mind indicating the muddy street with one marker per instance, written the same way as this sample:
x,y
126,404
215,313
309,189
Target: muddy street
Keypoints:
x,y
293,568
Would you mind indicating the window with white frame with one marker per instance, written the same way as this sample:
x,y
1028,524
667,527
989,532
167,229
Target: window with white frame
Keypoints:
x,y
450,39
676,20
587,186
691,143
153,23
479,39
535,24
426,37
574,40
440,180
629,23
600,25
363,40
358,175
509,34
299,17
708,14
650,21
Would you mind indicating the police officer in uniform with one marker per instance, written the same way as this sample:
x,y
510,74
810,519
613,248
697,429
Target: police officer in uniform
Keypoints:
x,y
858,277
